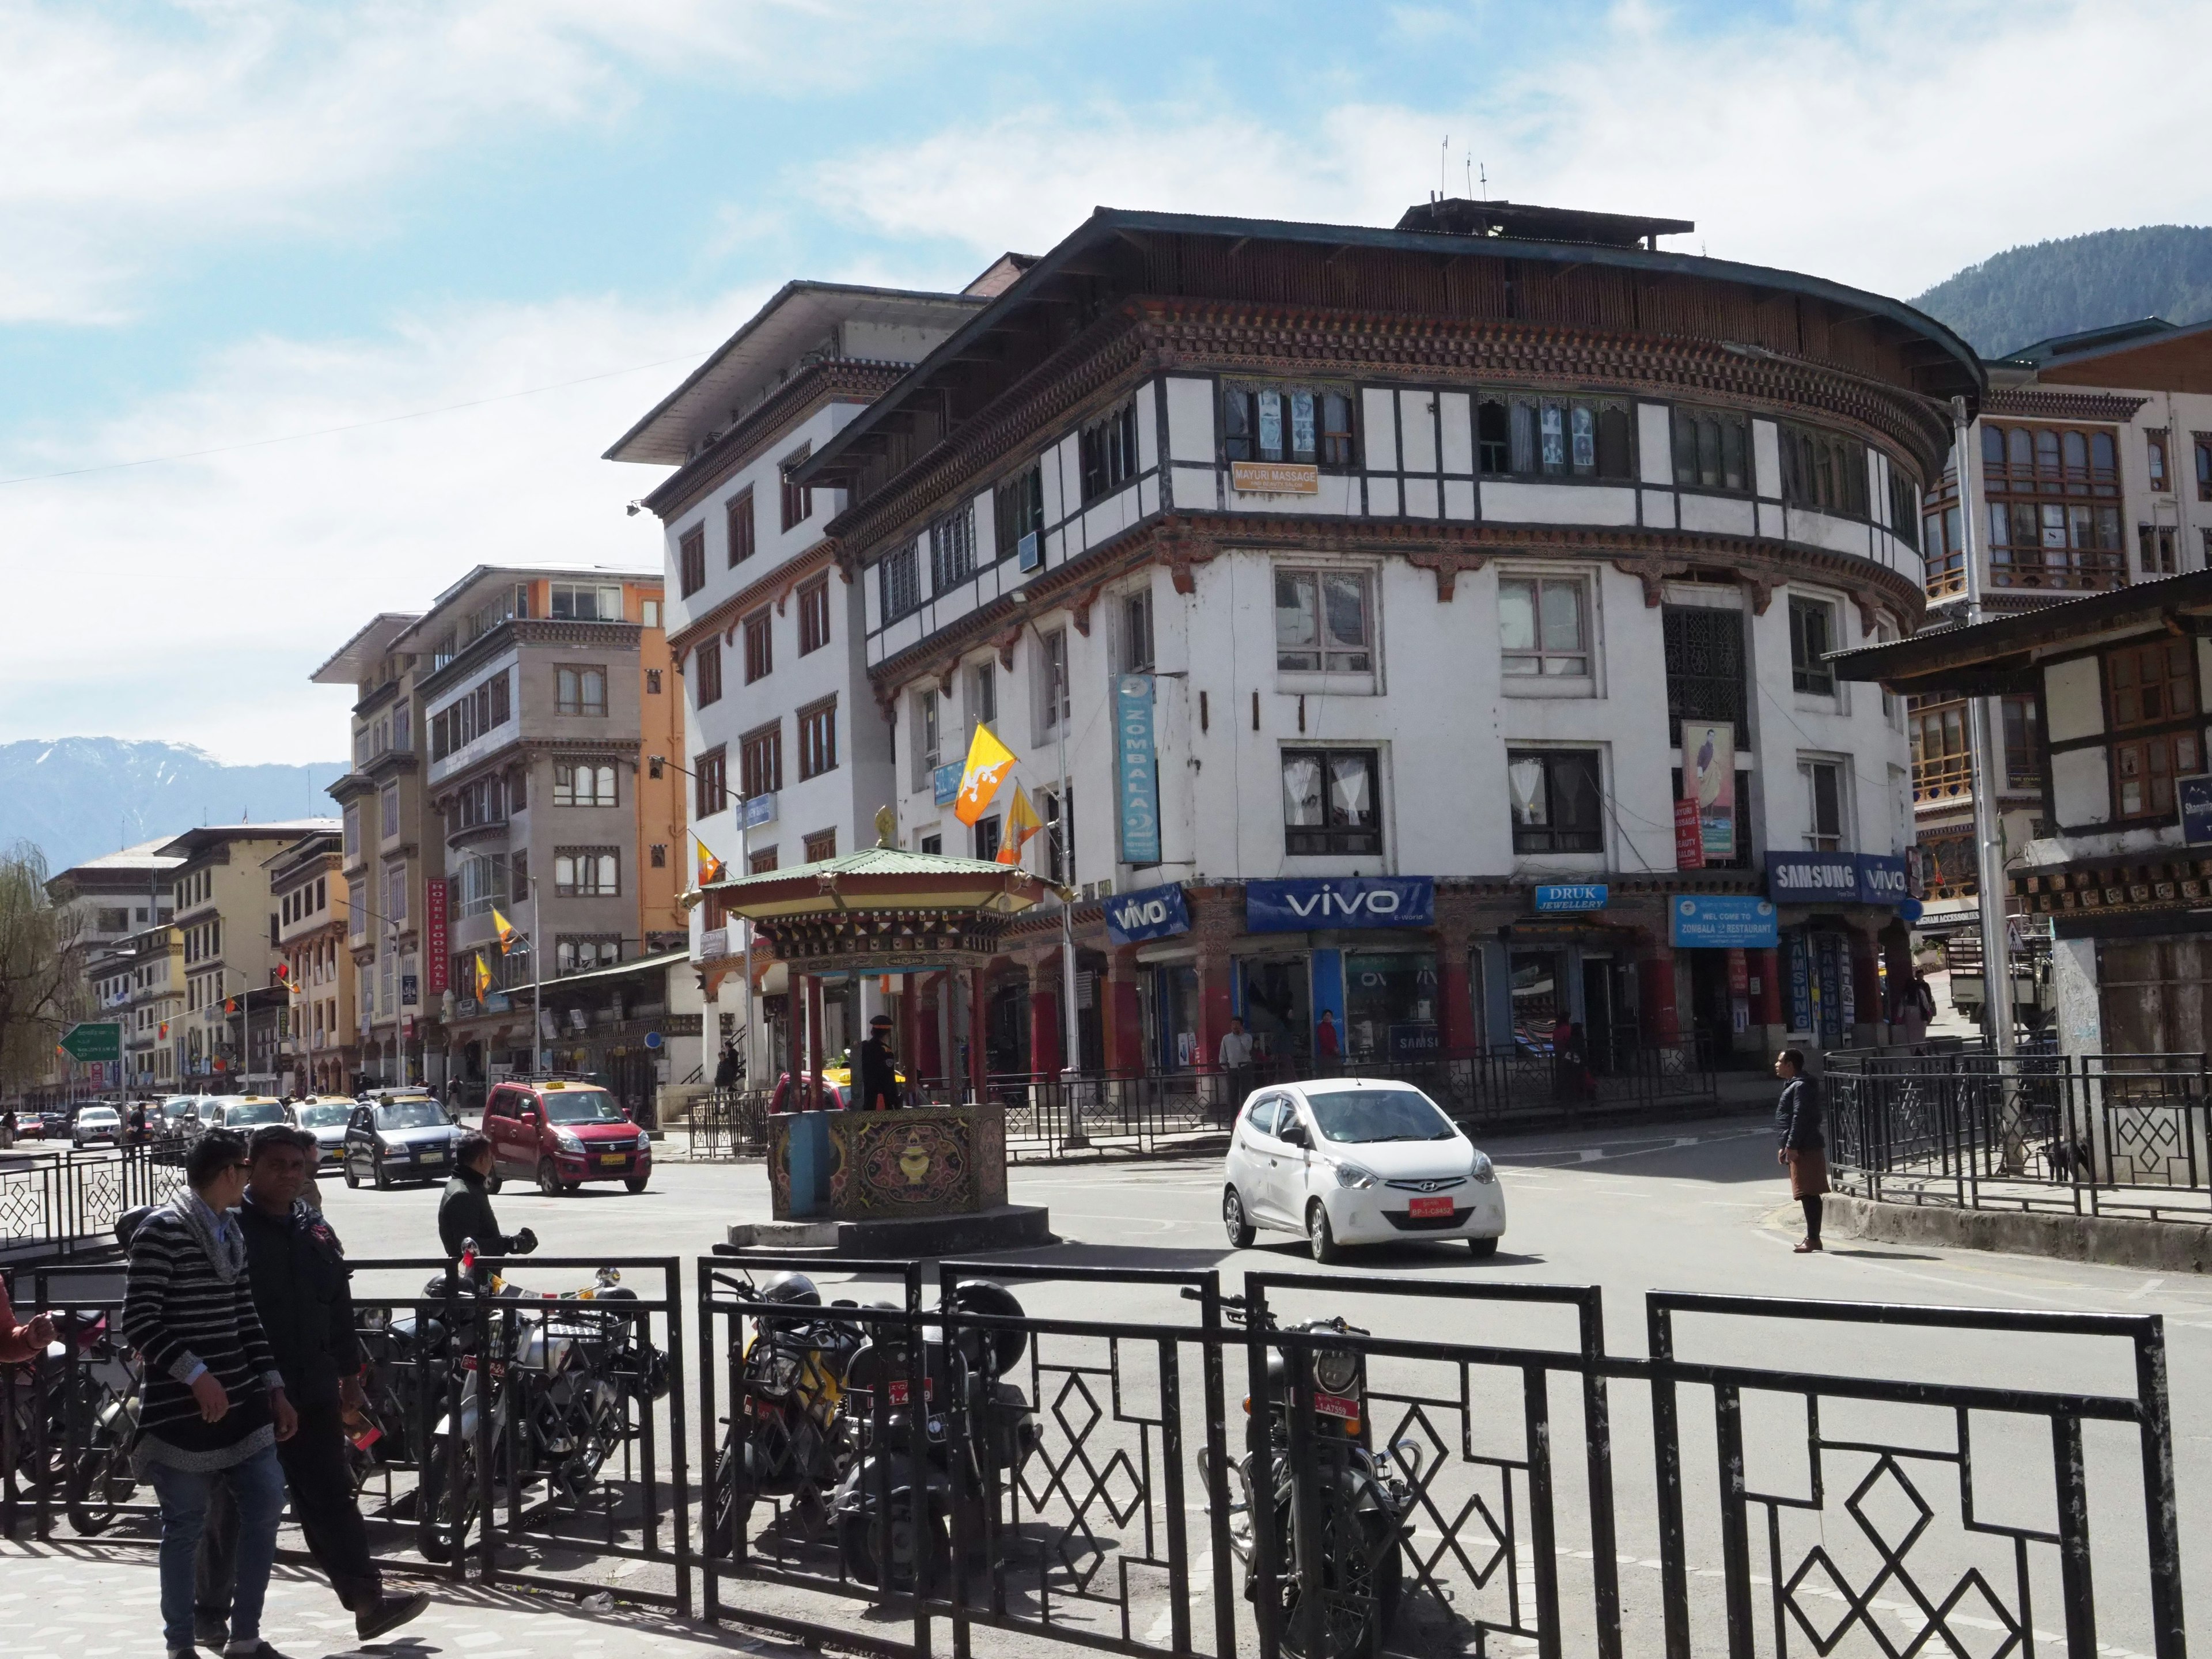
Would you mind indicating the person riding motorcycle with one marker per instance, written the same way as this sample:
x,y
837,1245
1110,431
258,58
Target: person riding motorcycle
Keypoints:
x,y
465,1212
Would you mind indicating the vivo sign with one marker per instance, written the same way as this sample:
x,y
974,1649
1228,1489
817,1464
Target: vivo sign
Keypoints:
x,y
1298,907
1836,878
1148,913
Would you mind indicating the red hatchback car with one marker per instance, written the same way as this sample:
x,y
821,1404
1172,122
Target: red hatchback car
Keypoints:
x,y
563,1134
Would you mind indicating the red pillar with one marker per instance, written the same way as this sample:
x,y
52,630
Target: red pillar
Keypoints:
x,y
1044,1022
979,1065
1455,1017
1125,1025
1655,988
1766,997
928,1052
814,1098
1215,1006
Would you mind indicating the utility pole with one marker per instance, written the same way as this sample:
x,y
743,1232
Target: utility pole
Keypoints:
x,y
538,1050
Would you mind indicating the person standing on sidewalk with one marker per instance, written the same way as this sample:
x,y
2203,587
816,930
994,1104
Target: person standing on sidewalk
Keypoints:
x,y
214,1406
1235,1057
1804,1150
303,1293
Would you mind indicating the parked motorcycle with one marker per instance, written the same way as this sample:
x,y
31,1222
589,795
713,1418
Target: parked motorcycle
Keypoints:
x,y
894,1507
572,1371
1360,1501
101,1389
786,1437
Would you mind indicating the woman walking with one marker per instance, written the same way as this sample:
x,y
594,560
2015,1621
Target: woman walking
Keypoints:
x,y
1804,1150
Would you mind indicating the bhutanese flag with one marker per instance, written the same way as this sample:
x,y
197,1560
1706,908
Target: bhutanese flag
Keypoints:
x,y
230,1005
483,976
1022,822
165,1031
988,763
505,929
711,869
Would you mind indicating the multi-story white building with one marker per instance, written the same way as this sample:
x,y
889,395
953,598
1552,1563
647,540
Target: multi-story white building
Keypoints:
x,y
1372,581
764,625
117,908
2089,468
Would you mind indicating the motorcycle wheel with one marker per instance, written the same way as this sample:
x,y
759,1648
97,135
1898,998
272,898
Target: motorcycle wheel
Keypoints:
x,y
440,1523
101,1482
1361,1580
860,1543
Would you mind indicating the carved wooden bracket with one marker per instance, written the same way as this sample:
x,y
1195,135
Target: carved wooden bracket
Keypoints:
x,y
1759,588
1653,573
1005,643
1181,552
946,672
1869,614
1448,565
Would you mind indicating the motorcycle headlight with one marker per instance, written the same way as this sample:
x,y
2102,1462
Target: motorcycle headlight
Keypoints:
x,y
569,1142
1336,1371
1483,1173
1351,1174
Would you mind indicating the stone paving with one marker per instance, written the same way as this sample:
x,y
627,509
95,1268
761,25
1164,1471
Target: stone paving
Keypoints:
x,y
78,1601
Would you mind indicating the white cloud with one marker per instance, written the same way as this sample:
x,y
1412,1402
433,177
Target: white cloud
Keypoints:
x,y
1884,147
189,600
128,142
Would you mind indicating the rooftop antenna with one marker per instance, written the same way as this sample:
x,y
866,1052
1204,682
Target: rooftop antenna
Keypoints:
x,y
1483,171
1444,162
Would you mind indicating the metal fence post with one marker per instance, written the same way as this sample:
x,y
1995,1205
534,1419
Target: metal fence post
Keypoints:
x,y
1217,1470
1667,1451
2167,1632
1597,1428
2074,1573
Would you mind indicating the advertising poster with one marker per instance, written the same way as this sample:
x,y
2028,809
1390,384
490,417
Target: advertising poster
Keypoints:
x,y
434,942
1689,846
1709,785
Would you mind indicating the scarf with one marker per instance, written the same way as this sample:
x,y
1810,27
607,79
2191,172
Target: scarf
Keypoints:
x,y
218,1236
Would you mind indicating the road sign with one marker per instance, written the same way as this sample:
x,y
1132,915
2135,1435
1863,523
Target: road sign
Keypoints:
x,y
95,1040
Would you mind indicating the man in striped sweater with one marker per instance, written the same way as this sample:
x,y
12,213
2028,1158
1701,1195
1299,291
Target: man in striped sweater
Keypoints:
x,y
213,1405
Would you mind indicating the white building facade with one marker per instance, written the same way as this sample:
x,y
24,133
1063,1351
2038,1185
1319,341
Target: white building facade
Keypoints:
x,y
1383,571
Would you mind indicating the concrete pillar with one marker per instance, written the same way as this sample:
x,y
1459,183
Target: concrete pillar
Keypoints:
x,y
1044,1017
978,1062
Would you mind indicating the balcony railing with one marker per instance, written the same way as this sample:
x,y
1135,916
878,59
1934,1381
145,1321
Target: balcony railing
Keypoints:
x,y
2058,570
1945,778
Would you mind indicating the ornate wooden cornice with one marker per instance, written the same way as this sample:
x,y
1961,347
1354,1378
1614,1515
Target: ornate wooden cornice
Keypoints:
x,y
775,587
1146,336
2113,884
836,380
1179,542
2038,402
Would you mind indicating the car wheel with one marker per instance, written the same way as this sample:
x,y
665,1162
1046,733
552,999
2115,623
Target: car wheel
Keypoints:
x,y
1482,1249
383,1177
636,1183
548,1182
1234,1221
352,1180
1321,1236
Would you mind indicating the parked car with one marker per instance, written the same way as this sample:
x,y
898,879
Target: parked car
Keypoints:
x,y
183,1116
242,1112
1349,1161
325,1118
398,1136
96,1125
564,1134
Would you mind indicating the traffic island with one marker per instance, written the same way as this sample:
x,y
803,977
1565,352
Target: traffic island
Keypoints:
x,y
2175,1247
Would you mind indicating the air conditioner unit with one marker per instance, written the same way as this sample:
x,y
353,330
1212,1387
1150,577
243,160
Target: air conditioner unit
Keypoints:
x,y
1029,552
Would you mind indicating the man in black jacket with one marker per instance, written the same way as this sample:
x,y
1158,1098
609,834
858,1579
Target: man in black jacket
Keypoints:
x,y
465,1212
1804,1150
302,1294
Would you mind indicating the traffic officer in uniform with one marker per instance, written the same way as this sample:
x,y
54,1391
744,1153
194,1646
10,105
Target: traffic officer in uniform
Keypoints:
x,y
878,1079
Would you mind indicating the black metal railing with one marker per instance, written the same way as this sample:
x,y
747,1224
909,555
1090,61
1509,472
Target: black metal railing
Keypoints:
x,y
58,1204
2123,1134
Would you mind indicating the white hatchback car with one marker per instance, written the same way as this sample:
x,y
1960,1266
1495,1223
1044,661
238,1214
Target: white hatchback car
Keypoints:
x,y
1356,1161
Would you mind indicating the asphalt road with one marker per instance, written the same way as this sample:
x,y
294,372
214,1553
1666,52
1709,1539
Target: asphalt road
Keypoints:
x,y
1698,1208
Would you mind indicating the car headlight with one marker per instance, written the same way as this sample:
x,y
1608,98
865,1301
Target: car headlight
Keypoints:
x,y
567,1140
1482,1172
1351,1174
392,1145
644,1142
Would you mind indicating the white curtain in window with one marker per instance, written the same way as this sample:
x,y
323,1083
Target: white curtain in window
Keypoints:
x,y
1524,780
1302,790
1350,790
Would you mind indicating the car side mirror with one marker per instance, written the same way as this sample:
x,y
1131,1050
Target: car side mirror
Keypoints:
x,y
1293,1134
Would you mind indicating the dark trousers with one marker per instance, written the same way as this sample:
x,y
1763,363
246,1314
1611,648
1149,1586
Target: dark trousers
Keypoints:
x,y
321,1486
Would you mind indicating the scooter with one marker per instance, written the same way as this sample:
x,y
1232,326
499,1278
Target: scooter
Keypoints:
x,y
893,1508
1360,1501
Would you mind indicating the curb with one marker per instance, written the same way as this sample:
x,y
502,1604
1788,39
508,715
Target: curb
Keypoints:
x,y
2178,1247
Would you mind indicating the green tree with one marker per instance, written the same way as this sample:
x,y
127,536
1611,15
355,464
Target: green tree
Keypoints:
x,y
42,986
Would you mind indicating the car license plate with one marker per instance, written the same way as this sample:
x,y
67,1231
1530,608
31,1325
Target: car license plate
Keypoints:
x,y
613,1159
1440,1204
434,1154
1335,1405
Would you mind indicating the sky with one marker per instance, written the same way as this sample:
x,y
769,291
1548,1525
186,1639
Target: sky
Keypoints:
x,y
305,309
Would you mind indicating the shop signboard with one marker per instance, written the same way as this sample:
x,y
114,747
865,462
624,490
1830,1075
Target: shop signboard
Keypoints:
x,y
1415,1040
1147,913
761,809
1813,877
1578,896
1882,879
2194,795
1709,785
1298,907
1689,847
436,943
946,780
1136,769
1720,922
1801,983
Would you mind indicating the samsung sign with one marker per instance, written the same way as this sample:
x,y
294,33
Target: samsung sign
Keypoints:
x,y
1148,913
1298,907
1836,878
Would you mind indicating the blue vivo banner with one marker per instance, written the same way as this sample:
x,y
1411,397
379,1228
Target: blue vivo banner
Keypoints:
x,y
1882,879
1136,769
1296,907
1147,912
1721,921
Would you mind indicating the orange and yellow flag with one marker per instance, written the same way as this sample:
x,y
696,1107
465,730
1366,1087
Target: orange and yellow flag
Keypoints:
x,y
1022,822
711,869
505,929
483,976
988,763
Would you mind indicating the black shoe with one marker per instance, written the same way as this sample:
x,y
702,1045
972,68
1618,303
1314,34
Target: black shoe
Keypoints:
x,y
389,1613
210,1630
259,1650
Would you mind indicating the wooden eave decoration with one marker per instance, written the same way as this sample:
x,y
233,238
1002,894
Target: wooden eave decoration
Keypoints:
x,y
879,882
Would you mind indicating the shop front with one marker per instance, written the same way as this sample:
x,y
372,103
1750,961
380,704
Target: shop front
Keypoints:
x,y
1836,913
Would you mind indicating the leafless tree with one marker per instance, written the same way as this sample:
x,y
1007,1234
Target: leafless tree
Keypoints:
x,y
42,986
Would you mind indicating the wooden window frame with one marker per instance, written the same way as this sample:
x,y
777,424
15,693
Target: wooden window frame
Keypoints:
x,y
1331,417
756,631
1810,673
820,847
1108,450
817,738
798,500
691,561
738,521
1703,451
760,760
706,672
899,580
710,775
1331,838
813,616
1515,432
1552,838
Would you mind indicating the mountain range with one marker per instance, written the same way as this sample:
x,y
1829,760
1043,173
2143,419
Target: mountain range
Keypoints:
x,y
2032,293
77,797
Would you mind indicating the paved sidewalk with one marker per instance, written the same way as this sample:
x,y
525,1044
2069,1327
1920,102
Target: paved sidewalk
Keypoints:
x,y
67,1600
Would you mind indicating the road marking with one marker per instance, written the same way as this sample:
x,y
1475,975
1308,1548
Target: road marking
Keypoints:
x,y
2144,1289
